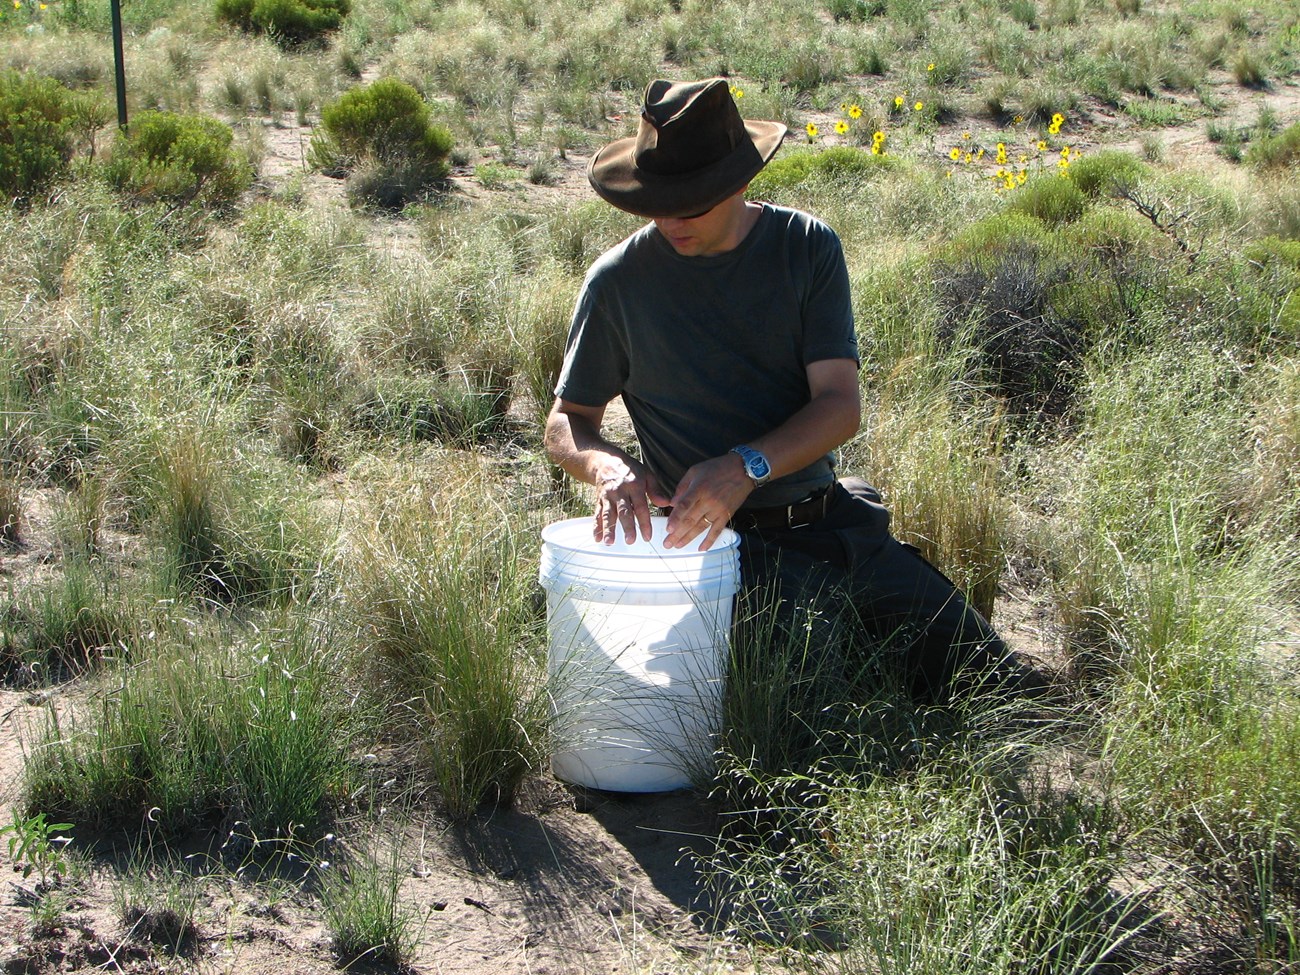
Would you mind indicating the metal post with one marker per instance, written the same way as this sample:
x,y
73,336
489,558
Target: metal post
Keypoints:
x,y
119,67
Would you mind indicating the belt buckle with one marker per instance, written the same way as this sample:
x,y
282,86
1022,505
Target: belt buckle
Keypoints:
x,y
819,503
790,523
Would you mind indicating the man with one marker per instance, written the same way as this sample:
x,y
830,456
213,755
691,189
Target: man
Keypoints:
x,y
727,328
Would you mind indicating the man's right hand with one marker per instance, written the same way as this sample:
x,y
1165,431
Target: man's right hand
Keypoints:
x,y
625,488
624,492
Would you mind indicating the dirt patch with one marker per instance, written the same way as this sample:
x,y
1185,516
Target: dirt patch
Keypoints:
x,y
566,882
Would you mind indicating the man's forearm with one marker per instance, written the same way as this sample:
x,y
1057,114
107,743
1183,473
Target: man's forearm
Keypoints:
x,y
574,443
819,427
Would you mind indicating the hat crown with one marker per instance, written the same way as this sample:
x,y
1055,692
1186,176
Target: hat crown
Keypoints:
x,y
686,126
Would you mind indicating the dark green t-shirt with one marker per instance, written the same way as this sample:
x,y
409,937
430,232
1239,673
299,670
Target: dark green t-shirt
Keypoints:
x,y
711,352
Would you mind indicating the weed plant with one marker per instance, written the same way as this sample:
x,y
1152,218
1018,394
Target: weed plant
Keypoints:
x,y
35,141
384,131
288,21
179,158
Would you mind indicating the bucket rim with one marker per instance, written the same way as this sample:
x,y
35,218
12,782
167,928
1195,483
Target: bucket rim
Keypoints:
x,y
728,540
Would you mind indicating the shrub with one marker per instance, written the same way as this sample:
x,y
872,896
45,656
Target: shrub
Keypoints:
x,y
837,163
35,139
1276,151
996,294
289,21
179,158
383,128
1051,199
1098,174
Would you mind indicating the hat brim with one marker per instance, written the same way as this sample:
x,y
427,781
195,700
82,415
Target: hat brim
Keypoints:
x,y
614,175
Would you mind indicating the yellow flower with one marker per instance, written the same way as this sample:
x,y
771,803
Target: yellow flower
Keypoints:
x,y
875,149
930,66
954,153
1057,118
1042,145
898,99
918,106
979,155
878,137
18,4
968,158
1065,152
1053,129
841,127
1021,177
811,130
965,135
737,92
844,106
855,111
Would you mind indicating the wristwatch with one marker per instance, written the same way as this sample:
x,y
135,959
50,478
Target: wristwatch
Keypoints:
x,y
756,465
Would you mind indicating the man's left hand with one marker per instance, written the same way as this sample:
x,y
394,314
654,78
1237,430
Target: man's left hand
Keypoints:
x,y
707,496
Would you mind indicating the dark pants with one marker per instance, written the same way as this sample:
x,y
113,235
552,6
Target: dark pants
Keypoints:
x,y
868,593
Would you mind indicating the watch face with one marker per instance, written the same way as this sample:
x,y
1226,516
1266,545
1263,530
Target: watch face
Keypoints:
x,y
756,465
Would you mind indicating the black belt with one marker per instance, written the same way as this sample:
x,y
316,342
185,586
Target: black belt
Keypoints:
x,y
797,515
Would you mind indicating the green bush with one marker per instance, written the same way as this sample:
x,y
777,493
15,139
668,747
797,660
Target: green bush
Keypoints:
x,y
837,163
35,132
383,128
289,21
1051,199
1098,174
1275,250
179,158
1276,151
995,284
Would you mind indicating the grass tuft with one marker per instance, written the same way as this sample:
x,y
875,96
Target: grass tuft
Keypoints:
x,y
368,922
443,593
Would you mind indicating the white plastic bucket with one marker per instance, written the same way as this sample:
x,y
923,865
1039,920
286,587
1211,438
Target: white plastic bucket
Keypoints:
x,y
637,652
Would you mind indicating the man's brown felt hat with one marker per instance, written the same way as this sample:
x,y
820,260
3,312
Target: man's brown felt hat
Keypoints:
x,y
692,150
